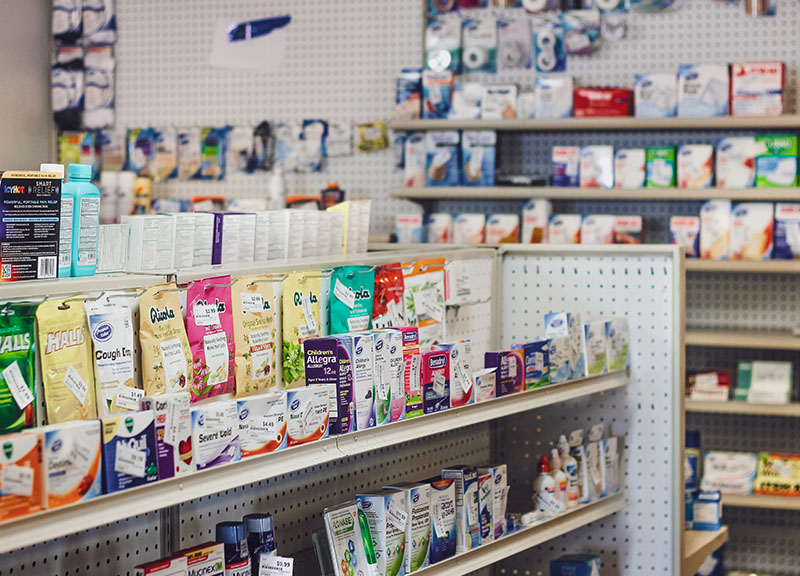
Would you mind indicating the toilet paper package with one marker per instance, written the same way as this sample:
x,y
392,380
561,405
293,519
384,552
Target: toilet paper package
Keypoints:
x,y
751,231
787,231
660,167
469,229
703,90
685,231
695,166
715,230
776,161
596,167
655,95
598,229
757,88
480,45
478,150
736,162
437,94
565,166
535,221
441,158
629,168
565,229
553,96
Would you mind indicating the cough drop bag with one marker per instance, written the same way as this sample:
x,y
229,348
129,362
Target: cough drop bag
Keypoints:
x,y
252,299
387,301
301,320
351,298
17,367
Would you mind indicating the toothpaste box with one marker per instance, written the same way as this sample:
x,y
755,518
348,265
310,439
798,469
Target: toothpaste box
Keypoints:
x,y
703,90
685,231
388,375
329,360
715,229
557,331
566,166
736,162
175,566
437,94
595,347
461,386
307,414
465,481
660,167
618,342
262,423
629,168
536,355
441,158
443,519
757,88
695,166
751,231
71,462
536,215
500,102
776,161
510,369
386,515
478,157
628,230
469,228
21,474
787,231
565,229
438,228
129,450
418,523
363,385
206,559
486,507
596,167
502,229
411,373
553,96
435,381
598,229
173,433
485,384
216,438
499,474
656,95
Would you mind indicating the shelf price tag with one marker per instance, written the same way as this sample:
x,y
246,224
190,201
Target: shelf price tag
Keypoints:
x,y
205,314
252,303
275,566
15,382
75,384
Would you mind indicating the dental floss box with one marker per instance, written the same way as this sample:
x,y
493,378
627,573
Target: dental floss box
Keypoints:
x,y
703,90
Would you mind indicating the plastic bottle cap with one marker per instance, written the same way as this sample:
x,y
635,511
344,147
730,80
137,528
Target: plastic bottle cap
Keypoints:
x,y
258,523
230,532
57,168
79,171
333,186
544,465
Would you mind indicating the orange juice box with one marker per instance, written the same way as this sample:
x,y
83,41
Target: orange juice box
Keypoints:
x,y
20,475
72,459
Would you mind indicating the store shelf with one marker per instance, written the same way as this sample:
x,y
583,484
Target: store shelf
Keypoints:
x,y
68,286
52,524
526,538
761,501
620,123
742,339
698,545
742,408
563,193
764,266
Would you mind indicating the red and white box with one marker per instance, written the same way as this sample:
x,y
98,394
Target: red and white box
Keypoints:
x,y
757,88
602,102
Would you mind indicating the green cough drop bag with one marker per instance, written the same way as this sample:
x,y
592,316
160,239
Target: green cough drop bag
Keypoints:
x,y
351,298
17,367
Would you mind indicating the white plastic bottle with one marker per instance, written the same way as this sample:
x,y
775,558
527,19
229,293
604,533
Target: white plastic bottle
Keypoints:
x,y
560,477
276,190
544,491
65,222
570,467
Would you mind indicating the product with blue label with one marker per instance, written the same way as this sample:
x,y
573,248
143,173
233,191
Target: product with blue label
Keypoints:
x,y
467,521
536,356
443,519
215,434
707,510
576,565
443,45
437,94
656,95
557,331
237,554
441,165
363,383
435,381
486,507
129,450
408,100
703,90
478,150
565,166
480,45
329,360
550,55
418,523
260,538
386,517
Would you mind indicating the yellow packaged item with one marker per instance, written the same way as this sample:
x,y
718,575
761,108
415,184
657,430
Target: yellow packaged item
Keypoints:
x,y
252,299
301,320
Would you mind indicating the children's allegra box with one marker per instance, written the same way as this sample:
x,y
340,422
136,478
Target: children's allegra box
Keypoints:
x,y
436,381
329,360
173,433
307,414
262,423
129,450
72,458
20,475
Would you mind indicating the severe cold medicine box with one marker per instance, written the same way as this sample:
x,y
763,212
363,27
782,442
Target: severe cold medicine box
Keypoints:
x,y
30,206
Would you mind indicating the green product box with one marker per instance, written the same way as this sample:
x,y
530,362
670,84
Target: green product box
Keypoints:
x,y
744,376
660,167
776,161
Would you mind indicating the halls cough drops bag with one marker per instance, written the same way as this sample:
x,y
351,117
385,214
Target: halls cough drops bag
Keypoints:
x,y
301,320
17,367
67,371
166,356
254,334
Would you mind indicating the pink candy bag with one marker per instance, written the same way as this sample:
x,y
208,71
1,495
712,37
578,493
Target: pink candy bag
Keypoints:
x,y
209,326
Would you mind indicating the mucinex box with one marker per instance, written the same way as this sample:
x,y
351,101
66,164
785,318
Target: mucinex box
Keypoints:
x,y
685,231
206,559
715,229
465,481
703,90
565,229
363,385
418,523
776,161
386,515
20,475
307,414
510,370
695,166
656,95
598,229
129,450
536,215
215,434
71,462
173,433
787,231
329,360
751,231
443,519
757,88
629,168
536,355
435,381
736,162
262,423
486,507
565,166
596,167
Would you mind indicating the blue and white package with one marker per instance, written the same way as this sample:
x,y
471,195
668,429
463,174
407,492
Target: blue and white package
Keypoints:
x,y
441,158
67,21
215,434
312,146
408,99
98,75
363,383
467,101
480,45
548,43
707,510
787,231
129,450
576,565
437,7
467,520
443,45
513,44
581,31
287,144
565,166
67,88
703,90
486,507
655,95
553,96
557,331
99,22
478,151
537,362
437,94
443,519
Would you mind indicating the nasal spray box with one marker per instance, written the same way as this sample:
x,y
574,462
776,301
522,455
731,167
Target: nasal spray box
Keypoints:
x,y
465,482
386,516
776,161
418,523
21,473
329,360
262,423
346,539
577,358
363,384
413,400
129,450
215,434
173,433
461,386
499,475
787,231
443,519
703,90
72,462
435,381
510,370
307,414
388,373
486,507
557,331
536,355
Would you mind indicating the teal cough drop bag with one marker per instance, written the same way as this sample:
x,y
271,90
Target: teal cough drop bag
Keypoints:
x,y
352,289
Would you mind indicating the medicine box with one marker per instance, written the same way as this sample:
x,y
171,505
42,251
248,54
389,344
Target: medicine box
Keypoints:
x,y
500,103
618,340
408,96
595,348
536,215
499,474
175,566
629,168
478,149
311,233
411,371
21,474
225,244
660,167
294,225
763,382
577,358
216,439
363,383
565,229
757,88
627,230
203,239
388,373
262,423
787,231
685,231
707,510
598,229
736,162
602,102
329,360
485,384
173,433
150,243
469,228
418,523
695,166
510,370
461,385
576,565
436,381
776,161
596,167
465,480
486,507
553,96
557,331
443,519
437,94
307,415
441,158
183,231
566,165
385,511
129,450
502,229
206,559
703,90
778,474
655,95
715,229
536,356
751,231
730,472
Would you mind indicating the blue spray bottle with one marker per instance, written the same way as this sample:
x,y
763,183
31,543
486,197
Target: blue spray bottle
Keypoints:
x,y
85,220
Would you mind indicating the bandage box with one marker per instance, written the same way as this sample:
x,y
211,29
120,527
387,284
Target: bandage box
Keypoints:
x,y
703,90
757,88
629,168
435,381
787,231
469,228
736,162
129,450
602,102
408,228
695,166
715,230
656,95
443,519
557,331
597,167
408,98
526,105
480,45
71,462
576,565
598,229
486,508
441,163
751,231
363,383
762,382
415,158
535,221
595,347
536,356
502,229
685,231
729,472
776,161
21,475
216,438
307,415
500,102
175,566
437,94
627,230
478,157
418,523
438,228
618,340
709,386
262,423
173,433
565,229
465,480
386,515
660,167
206,559
461,385
566,166
467,101
510,370
553,96
499,474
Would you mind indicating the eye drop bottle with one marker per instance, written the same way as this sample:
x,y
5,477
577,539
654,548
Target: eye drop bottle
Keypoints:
x,y
65,222
85,219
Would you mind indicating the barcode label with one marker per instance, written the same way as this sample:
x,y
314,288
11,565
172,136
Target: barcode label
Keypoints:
x,y
5,271
48,267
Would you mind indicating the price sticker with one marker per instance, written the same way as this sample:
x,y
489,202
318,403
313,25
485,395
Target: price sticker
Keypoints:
x,y
308,314
129,398
396,515
75,384
205,314
130,460
548,504
345,294
462,377
275,566
439,380
252,303
15,382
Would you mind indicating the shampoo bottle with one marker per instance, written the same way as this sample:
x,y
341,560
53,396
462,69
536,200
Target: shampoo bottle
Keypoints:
x,y
65,222
85,219
544,490
570,467
560,477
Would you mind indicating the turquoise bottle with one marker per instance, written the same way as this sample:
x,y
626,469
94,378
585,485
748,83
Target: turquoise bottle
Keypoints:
x,y
85,219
